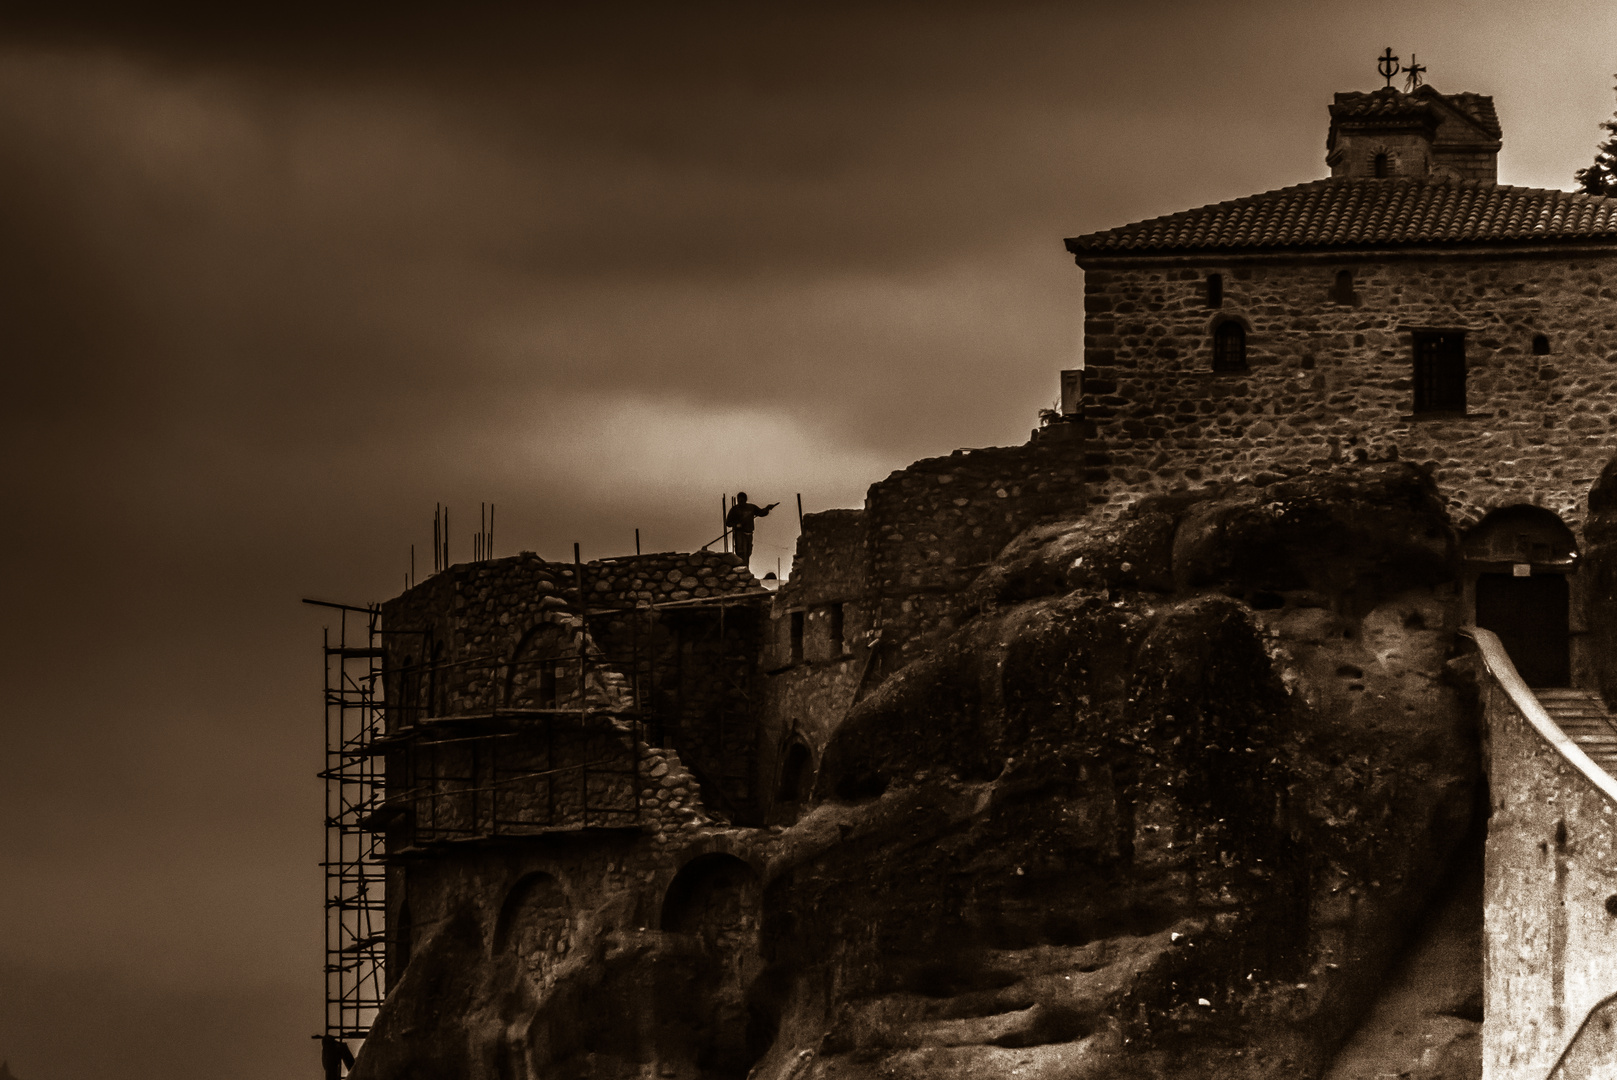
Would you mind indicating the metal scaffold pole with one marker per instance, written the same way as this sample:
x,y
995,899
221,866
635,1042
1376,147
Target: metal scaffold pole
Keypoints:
x,y
356,901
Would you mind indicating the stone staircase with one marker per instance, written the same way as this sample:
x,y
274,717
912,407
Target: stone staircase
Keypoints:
x,y
1583,716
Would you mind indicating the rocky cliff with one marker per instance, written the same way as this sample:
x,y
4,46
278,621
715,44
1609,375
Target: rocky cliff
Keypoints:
x,y
1169,805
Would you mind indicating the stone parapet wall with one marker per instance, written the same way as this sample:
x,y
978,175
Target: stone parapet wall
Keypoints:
x,y
1550,910
832,561
934,526
1331,382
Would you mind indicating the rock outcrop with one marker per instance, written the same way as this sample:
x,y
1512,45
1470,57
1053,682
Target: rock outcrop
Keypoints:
x,y
1167,806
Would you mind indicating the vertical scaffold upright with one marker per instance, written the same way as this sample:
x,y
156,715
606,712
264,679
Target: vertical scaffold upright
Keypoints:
x,y
356,903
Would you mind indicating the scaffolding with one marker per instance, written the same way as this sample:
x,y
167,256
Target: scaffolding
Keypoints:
x,y
356,898
429,753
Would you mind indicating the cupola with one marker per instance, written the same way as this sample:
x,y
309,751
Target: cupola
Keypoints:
x,y
1422,134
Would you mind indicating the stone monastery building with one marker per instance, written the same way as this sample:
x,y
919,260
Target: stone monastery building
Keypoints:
x,y
575,749
1407,307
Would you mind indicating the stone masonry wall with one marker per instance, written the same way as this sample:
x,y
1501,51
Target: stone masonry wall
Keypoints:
x,y
1333,381
933,526
1551,874
899,569
511,635
832,562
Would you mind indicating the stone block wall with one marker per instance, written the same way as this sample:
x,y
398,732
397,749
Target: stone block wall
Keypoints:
x,y
933,527
1550,915
634,638
897,572
832,562
1330,381
523,779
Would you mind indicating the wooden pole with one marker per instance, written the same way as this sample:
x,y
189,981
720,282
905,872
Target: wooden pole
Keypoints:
x,y
800,510
724,524
637,541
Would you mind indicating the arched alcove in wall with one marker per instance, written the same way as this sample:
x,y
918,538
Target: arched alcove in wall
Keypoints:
x,y
542,670
710,915
1518,560
536,925
796,774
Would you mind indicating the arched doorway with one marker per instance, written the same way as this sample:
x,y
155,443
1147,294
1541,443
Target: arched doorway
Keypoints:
x,y
1519,558
711,918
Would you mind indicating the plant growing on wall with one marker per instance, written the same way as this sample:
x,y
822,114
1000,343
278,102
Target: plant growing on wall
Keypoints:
x,y
1601,177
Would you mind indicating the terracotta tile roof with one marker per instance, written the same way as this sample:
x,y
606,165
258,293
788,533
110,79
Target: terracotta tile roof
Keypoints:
x,y
1478,107
1378,105
1388,104
1367,213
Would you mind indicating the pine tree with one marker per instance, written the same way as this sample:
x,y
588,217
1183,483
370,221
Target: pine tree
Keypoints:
x,y
1601,177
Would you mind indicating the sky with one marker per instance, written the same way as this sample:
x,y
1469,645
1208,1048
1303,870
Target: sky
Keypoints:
x,y
274,282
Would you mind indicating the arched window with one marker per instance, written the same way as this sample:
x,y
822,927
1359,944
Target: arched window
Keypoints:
x,y
1541,345
1382,165
540,675
1215,290
1229,347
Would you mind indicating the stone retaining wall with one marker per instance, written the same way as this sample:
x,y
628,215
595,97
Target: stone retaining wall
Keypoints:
x,y
1550,910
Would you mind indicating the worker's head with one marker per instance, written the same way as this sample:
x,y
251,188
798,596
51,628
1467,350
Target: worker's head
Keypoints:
x,y
741,496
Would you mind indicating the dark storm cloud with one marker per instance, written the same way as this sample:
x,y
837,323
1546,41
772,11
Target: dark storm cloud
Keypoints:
x,y
275,279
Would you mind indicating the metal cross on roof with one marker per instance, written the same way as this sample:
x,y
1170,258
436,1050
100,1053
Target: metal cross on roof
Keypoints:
x,y
1387,64
1414,71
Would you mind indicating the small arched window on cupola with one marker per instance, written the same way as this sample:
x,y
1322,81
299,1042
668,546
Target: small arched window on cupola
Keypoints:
x,y
1541,345
1215,290
1381,165
1229,346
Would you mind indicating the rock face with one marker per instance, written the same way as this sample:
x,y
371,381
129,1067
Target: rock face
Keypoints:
x,y
1167,806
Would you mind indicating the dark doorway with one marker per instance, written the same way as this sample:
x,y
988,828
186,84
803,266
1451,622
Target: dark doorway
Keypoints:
x,y
1530,616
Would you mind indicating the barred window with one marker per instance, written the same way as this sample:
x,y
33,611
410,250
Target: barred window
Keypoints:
x,y
1440,371
1229,347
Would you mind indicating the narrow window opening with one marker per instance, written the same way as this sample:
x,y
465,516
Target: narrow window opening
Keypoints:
x,y
1382,166
1342,291
797,637
1440,371
1541,345
1229,347
839,644
796,775
1215,290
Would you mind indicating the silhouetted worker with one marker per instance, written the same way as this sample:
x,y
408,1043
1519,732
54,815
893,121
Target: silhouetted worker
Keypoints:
x,y
334,1056
739,522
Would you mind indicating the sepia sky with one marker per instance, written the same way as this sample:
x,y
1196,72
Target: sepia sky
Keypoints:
x,y
275,282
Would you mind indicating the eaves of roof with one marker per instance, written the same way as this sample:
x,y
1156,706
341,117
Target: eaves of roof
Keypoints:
x,y
1366,215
